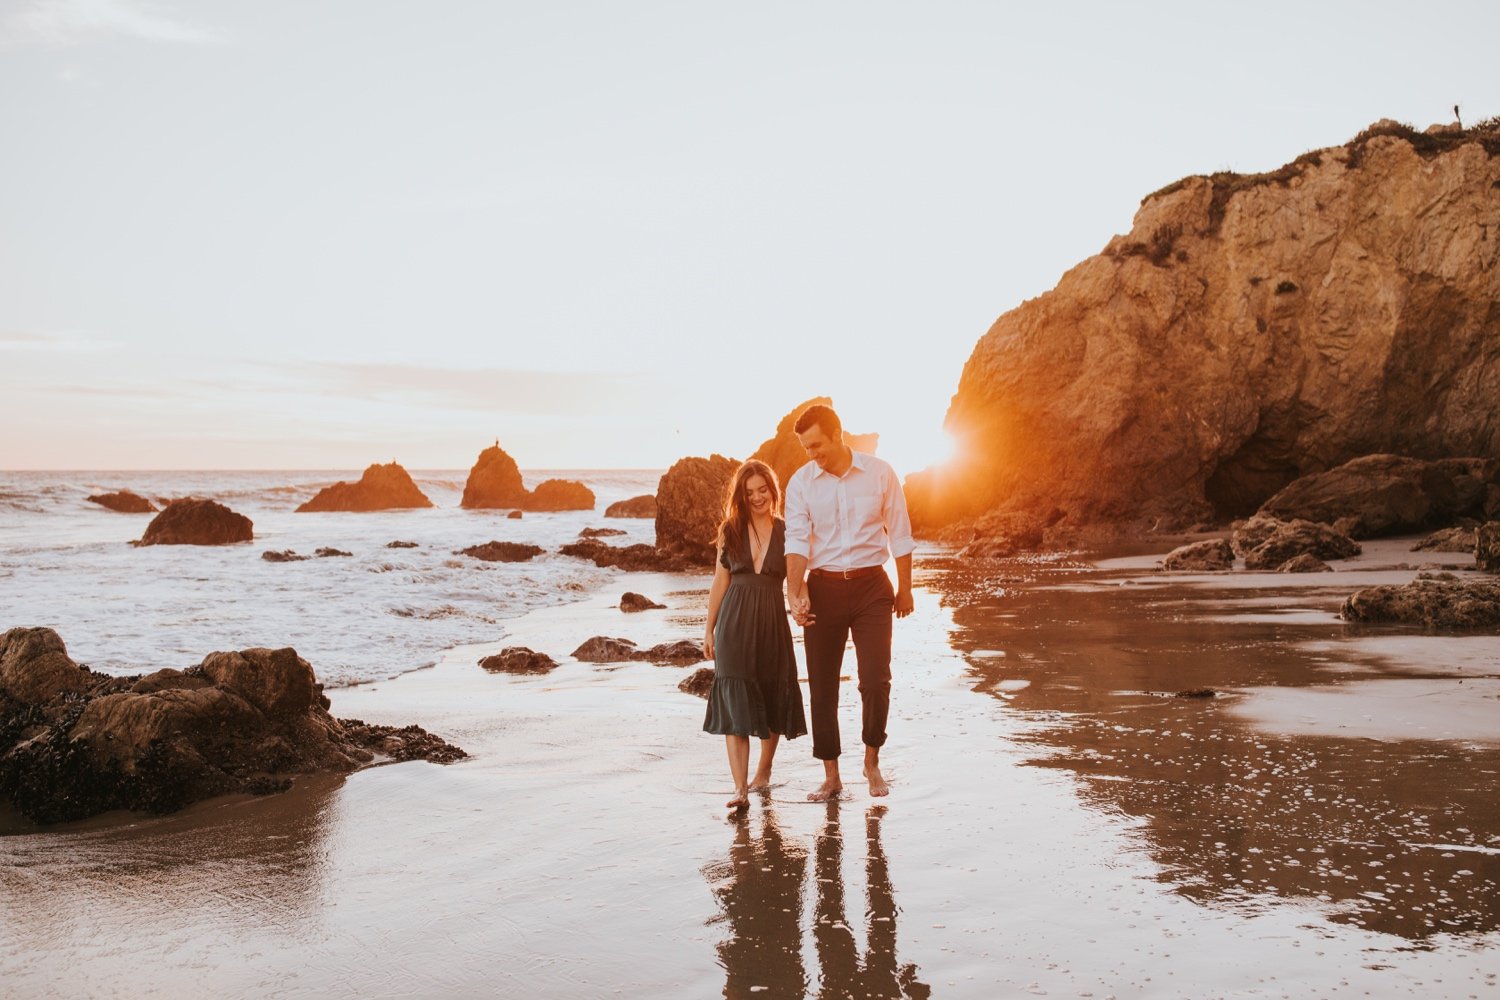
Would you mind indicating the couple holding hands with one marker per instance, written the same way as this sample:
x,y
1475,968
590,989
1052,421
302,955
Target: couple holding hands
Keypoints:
x,y
844,515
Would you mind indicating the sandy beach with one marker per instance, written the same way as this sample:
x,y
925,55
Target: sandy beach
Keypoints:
x,y
1059,825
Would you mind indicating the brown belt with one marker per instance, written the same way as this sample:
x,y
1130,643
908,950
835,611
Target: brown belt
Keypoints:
x,y
846,574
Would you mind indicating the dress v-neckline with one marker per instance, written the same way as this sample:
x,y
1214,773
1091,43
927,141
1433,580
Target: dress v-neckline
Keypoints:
x,y
765,552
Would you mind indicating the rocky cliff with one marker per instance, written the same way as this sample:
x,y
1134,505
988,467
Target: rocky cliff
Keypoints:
x,y
1249,330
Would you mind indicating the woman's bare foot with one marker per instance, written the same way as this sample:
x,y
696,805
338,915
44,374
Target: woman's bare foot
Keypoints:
x,y
761,782
740,801
828,790
878,785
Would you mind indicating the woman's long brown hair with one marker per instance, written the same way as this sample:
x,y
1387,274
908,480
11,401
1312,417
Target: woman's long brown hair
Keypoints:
x,y
737,509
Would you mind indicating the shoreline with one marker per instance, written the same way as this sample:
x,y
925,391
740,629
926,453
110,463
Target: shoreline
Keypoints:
x,y
583,849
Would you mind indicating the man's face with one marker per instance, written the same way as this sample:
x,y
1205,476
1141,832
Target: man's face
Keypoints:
x,y
820,448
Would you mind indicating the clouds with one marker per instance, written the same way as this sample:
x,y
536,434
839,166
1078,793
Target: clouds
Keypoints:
x,y
72,22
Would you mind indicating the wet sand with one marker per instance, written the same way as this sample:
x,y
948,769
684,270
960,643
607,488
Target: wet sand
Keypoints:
x,y
1058,824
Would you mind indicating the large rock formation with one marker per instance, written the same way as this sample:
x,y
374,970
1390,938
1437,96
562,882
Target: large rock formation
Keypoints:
x,y
74,742
690,505
124,502
1387,494
197,522
382,487
785,454
495,482
1250,329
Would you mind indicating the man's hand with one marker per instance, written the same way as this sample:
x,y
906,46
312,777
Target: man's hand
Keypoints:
x,y
904,602
802,609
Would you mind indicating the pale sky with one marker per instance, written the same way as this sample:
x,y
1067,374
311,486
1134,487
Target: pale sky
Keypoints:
x,y
323,233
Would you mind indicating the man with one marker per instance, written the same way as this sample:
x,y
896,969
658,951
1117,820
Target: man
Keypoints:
x,y
845,515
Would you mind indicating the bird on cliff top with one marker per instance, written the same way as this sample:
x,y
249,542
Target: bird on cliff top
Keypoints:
x,y
1456,116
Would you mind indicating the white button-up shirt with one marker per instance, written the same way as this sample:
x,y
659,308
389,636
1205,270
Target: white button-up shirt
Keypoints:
x,y
850,521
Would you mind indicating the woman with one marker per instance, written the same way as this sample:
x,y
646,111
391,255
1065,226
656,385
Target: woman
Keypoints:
x,y
755,690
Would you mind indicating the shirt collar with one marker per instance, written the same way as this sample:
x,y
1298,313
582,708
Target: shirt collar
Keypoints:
x,y
857,463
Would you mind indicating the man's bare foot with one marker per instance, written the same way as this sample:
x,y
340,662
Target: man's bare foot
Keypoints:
x,y
829,789
878,786
761,782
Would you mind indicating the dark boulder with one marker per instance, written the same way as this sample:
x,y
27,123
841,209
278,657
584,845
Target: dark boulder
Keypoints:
x,y
1458,539
382,487
1487,547
603,649
641,558
502,551
125,502
519,660
400,545
494,481
600,532
515,515
1432,603
197,522
74,743
1305,563
679,652
1381,495
1290,539
1206,556
326,552
641,506
632,602
285,555
699,682
690,505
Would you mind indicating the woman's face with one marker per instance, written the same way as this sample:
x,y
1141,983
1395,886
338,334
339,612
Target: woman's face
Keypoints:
x,y
758,494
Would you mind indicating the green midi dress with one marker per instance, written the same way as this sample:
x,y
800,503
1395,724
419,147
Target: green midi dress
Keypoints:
x,y
755,690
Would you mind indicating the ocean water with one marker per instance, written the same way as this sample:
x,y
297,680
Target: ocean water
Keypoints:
x,y
68,564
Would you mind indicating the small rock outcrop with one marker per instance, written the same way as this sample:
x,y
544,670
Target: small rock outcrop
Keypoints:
x,y
191,521
382,487
1305,563
519,660
604,649
600,532
1487,547
74,743
515,515
690,505
1267,543
1458,539
502,551
632,602
285,555
1432,603
638,558
1200,557
400,545
494,481
327,552
699,682
1379,495
559,494
124,502
641,506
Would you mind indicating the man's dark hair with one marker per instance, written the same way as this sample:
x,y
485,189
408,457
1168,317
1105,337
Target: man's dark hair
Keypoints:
x,y
824,417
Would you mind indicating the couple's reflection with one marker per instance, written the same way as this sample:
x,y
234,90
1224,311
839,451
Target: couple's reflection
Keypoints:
x,y
761,887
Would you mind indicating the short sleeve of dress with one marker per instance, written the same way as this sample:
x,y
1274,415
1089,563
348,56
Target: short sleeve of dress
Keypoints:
x,y
724,558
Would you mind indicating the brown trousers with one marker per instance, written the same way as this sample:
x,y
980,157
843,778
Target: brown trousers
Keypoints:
x,y
841,608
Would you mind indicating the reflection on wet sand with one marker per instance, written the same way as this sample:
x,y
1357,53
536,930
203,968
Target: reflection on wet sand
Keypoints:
x,y
761,886
1401,837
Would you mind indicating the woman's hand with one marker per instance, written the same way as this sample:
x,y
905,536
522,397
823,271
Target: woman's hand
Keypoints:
x,y
708,643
